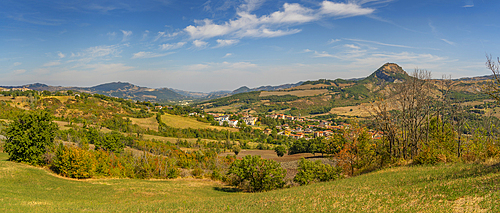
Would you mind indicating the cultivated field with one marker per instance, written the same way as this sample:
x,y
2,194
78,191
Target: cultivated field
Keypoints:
x,y
441,188
178,121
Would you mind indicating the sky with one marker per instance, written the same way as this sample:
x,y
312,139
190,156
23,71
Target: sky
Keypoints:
x,y
212,45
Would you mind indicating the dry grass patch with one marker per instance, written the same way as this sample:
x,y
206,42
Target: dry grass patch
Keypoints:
x,y
360,110
146,123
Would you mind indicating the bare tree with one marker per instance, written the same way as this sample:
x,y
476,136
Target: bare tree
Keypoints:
x,y
493,88
406,128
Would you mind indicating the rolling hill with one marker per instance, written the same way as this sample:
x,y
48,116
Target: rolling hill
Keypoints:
x,y
321,96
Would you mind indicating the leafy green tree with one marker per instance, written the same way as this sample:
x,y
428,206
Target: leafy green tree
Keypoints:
x,y
280,150
254,174
29,136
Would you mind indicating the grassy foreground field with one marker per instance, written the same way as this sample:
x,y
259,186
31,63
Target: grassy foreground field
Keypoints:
x,y
442,188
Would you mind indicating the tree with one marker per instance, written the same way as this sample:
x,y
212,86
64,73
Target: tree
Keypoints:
x,y
254,174
403,116
236,149
29,136
493,88
280,150
112,142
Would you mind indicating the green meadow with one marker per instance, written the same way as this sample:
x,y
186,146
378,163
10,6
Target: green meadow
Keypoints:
x,y
440,188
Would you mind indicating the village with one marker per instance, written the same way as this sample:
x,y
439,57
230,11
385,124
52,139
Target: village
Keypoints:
x,y
293,127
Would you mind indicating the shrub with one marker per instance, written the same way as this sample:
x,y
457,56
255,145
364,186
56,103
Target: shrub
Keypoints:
x,y
197,172
309,172
74,162
254,174
236,149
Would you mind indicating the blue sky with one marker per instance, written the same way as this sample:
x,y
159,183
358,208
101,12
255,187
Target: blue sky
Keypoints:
x,y
222,45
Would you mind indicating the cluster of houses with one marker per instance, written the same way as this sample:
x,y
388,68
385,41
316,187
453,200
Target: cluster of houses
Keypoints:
x,y
221,118
326,128
24,89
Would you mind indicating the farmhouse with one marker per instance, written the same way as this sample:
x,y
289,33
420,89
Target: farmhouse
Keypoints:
x,y
250,120
319,134
233,123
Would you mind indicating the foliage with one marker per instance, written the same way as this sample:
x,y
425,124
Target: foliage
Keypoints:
x,y
310,172
280,150
302,145
254,174
112,142
358,151
29,136
236,149
74,162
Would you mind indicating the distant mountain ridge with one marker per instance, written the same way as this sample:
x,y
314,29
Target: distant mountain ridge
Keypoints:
x,y
359,87
130,91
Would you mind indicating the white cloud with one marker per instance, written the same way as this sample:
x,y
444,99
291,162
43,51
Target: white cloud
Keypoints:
x,y
197,66
199,43
104,52
149,55
52,63
251,5
165,35
16,64
250,25
331,41
352,46
172,46
227,55
344,10
126,34
111,35
228,42
101,51
145,34
379,43
449,42
323,54
61,55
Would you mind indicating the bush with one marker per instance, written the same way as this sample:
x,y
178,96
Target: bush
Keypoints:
x,y
309,172
29,136
236,149
254,174
197,172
